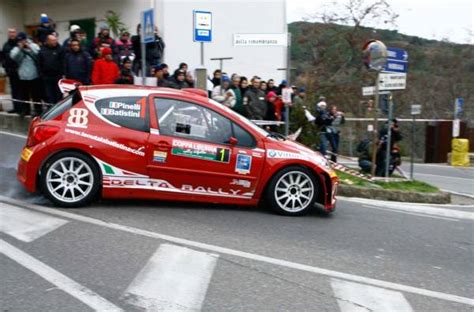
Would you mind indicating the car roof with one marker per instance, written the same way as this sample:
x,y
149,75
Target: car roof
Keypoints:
x,y
102,91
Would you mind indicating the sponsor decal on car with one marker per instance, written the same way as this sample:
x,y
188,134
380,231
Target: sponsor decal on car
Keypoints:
x,y
159,156
107,142
284,154
78,118
114,177
243,164
240,182
200,150
26,154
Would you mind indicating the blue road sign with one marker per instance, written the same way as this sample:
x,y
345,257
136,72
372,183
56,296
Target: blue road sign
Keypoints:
x,y
148,26
397,54
395,66
202,26
458,107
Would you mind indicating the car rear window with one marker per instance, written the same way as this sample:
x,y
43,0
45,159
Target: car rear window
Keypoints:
x,y
126,111
62,106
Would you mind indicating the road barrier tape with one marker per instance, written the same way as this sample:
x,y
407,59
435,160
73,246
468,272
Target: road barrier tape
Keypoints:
x,y
27,102
351,172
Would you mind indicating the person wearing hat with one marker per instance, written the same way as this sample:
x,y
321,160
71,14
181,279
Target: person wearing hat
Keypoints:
x,y
178,80
223,93
51,66
123,47
126,75
299,98
160,72
105,70
45,29
103,40
11,69
77,63
25,54
73,34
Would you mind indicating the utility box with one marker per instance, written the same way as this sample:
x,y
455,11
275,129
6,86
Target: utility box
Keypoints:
x,y
460,152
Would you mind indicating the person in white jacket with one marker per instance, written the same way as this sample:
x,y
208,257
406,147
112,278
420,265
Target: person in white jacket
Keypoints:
x,y
224,94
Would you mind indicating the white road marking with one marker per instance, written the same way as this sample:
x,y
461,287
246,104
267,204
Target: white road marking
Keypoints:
x,y
247,255
458,193
14,134
62,282
26,225
355,297
411,207
174,279
410,213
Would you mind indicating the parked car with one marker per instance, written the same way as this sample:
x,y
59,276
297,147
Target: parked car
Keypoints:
x,y
115,141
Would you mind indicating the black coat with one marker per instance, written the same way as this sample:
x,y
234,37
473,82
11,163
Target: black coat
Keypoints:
x,y
11,67
154,50
50,61
78,66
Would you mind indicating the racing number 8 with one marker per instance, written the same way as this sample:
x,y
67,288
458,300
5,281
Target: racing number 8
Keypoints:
x,y
223,155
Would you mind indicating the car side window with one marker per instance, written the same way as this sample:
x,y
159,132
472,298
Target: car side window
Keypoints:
x,y
244,138
188,120
126,111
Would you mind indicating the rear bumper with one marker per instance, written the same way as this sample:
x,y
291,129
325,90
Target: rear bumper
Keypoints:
x,y
29,166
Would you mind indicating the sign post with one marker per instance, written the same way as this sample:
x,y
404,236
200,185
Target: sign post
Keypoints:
x,y
389,136
415,110
147,36
202,32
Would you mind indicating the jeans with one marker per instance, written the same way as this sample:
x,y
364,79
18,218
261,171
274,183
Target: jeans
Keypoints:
x,y
31,91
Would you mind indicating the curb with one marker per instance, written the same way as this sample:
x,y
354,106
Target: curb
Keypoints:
x,y
393,195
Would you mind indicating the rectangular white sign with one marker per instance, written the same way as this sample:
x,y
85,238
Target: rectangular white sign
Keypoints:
x,y
369,91
456,127
393,81
416,109
260,39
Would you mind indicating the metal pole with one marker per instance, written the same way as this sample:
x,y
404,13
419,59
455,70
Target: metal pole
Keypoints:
x,y
376,121
221,66
389,135
288,79
143,47
202,54
412,156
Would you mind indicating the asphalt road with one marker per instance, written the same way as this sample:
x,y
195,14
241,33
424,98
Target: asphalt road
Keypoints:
x,y
128,255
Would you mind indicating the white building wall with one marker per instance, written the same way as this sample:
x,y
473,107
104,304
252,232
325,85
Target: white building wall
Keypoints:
x,y
11,15
229,17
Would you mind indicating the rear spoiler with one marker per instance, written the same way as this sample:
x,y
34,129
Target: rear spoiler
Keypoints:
x,y
68,85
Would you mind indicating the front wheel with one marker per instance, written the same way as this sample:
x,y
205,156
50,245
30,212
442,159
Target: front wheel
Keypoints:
x,y
292,191
70,179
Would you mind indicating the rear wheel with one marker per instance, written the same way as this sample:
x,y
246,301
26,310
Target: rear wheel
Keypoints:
x,y
292,191
70,179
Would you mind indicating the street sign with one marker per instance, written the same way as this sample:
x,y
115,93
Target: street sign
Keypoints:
x,y
458,107
397,54
370,91
456,127
392,81
202,28
148,26
395,66
415,109
260,40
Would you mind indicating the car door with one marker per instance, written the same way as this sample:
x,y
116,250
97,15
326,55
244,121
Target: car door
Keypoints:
x,y
195,152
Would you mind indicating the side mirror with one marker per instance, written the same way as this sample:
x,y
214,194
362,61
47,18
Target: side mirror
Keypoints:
x,y
233,141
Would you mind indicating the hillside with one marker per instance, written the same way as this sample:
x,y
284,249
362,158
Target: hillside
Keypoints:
x,y
328,61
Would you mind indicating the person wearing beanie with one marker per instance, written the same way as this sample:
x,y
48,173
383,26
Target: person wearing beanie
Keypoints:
x,y
160,72
103,40
126,75
123,47
178,81
299,98
45,29
223,94
25,55
105,70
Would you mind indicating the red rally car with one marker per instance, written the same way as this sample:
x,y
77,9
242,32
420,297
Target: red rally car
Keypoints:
x,y
159,143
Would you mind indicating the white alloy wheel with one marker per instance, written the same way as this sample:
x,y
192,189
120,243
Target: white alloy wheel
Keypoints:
x,y
294,191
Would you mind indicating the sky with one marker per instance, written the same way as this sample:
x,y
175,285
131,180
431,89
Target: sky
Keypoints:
x,y
435,19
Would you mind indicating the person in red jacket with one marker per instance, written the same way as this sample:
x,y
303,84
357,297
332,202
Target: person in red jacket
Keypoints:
x,y
105,70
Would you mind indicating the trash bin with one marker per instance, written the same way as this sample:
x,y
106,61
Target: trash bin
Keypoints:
x,y
460,152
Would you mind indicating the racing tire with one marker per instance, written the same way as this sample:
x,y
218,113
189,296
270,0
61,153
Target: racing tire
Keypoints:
x,y
292,191
70,179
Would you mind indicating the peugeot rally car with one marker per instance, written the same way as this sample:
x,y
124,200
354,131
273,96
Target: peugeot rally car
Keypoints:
x,y
158,143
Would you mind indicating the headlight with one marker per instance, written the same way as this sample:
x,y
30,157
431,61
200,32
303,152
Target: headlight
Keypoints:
x,y
322,162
